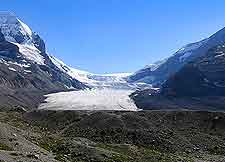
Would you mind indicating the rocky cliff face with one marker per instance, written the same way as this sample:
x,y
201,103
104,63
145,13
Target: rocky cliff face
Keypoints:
x,y
26,71
198,85
202,77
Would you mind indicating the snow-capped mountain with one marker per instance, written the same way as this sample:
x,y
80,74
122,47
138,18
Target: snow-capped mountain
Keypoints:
x,y
207,76
26,70
198,85
158,73
115,81
18,33
144,75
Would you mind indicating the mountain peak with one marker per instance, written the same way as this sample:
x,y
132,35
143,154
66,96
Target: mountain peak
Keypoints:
x,y
13,29
8,18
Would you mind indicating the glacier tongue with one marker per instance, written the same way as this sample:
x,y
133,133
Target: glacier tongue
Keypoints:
x,y
95,99
109,92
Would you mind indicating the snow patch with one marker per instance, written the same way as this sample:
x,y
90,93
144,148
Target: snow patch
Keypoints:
x,y
27,71
95,99
121,75
26,28
12,69
31,53
220,55
18,64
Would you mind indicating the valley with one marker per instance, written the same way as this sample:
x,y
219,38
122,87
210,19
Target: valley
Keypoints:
x,y
168,111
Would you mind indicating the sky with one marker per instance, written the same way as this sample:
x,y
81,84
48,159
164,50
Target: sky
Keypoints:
x,y
110,36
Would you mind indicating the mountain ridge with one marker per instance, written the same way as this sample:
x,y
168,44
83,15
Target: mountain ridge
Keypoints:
x,y
198,85
26,71
175,62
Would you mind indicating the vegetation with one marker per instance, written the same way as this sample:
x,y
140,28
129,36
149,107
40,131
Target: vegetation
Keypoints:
x,y
122,136
5,147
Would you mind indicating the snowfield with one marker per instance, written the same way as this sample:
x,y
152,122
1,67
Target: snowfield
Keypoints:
x,y
116,80
94,99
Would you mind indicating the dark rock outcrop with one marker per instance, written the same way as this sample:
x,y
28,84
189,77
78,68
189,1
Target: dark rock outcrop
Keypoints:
x,y
203,77
199,85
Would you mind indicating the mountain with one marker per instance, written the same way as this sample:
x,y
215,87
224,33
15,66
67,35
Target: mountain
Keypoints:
x,y
198,85
26,70
162,70
207,76
145,75
114,81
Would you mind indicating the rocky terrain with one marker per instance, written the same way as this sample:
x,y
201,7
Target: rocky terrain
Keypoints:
x,y
202,77
198,85
192,79
70,136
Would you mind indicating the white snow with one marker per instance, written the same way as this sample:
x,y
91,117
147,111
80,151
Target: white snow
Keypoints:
x,y
12,69
117,80
11,26
26,28
117,74
27,65
95,99
31,53
27,71
220,55
80,75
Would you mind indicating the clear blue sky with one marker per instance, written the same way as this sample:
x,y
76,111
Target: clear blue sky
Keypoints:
x,y
118,35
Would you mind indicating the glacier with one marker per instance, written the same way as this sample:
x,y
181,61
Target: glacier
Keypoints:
x,y
90,99
104,92
114,80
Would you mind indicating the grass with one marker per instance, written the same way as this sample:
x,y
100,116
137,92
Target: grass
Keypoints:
x,y
70,149
127,153
5,147
217,150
